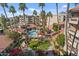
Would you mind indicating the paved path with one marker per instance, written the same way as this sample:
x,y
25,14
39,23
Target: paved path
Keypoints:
x,y
4,42
52,39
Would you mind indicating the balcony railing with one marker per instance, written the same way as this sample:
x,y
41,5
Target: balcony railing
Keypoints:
x,y
72,33
73,20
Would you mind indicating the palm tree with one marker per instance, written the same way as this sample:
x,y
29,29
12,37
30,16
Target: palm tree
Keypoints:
x,y
2,21
35,14
4,5
42,5
43,16
49,14
66,21
57,13
13,11
58,22
22,7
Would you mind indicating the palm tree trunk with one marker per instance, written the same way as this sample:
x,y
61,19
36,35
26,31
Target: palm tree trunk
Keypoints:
x,y
66,22
5,14
43,21
49,21
34,19
42,18
24,15
13,18
57,20
43,24
42,8
57,14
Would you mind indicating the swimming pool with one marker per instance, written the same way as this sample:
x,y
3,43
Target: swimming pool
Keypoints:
x,y
33,33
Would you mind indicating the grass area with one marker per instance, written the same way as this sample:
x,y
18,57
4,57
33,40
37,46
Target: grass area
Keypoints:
x,y
43,46
61,40
38,45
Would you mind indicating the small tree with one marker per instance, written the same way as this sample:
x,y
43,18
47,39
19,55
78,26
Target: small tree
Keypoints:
x,y
55,27
61,40
33,44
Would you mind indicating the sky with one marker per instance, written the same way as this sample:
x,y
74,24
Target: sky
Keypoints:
x,y
62,7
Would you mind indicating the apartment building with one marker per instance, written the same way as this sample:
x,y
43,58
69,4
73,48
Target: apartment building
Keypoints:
x,y
33,19
73,32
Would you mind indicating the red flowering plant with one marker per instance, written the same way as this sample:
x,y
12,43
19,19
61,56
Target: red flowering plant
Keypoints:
x,y
15,51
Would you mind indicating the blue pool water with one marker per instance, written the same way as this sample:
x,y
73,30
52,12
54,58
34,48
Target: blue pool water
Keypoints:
x,y
33,33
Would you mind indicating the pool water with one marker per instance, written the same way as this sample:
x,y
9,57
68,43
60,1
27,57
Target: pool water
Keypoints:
x,y
33,33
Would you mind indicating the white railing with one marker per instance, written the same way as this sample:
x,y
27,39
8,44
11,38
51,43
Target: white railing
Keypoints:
x,y
73,20
72,33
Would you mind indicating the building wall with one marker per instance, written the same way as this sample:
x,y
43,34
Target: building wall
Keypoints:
x,y
54,19
73,22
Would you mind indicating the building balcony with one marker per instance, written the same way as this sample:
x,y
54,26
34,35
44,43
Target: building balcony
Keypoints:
x,y
73,20
70,39
74,50
72,29
72,33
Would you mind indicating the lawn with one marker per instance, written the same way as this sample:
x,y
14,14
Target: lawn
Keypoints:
x,y
39,45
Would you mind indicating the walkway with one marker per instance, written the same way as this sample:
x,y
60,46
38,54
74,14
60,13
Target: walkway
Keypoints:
x,y
52,40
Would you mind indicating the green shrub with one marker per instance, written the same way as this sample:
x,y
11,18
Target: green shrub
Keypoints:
x,y
39,45
55,27
61,40
33,44
43,46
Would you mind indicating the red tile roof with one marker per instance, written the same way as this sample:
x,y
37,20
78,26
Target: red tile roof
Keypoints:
x,y
31,26
72,9
61,23
20,30
62,30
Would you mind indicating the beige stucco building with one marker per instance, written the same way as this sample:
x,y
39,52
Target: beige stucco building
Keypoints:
x,y
73,32
61,17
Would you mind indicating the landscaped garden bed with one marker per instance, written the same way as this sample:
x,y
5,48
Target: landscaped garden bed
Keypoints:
x,y
36,44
